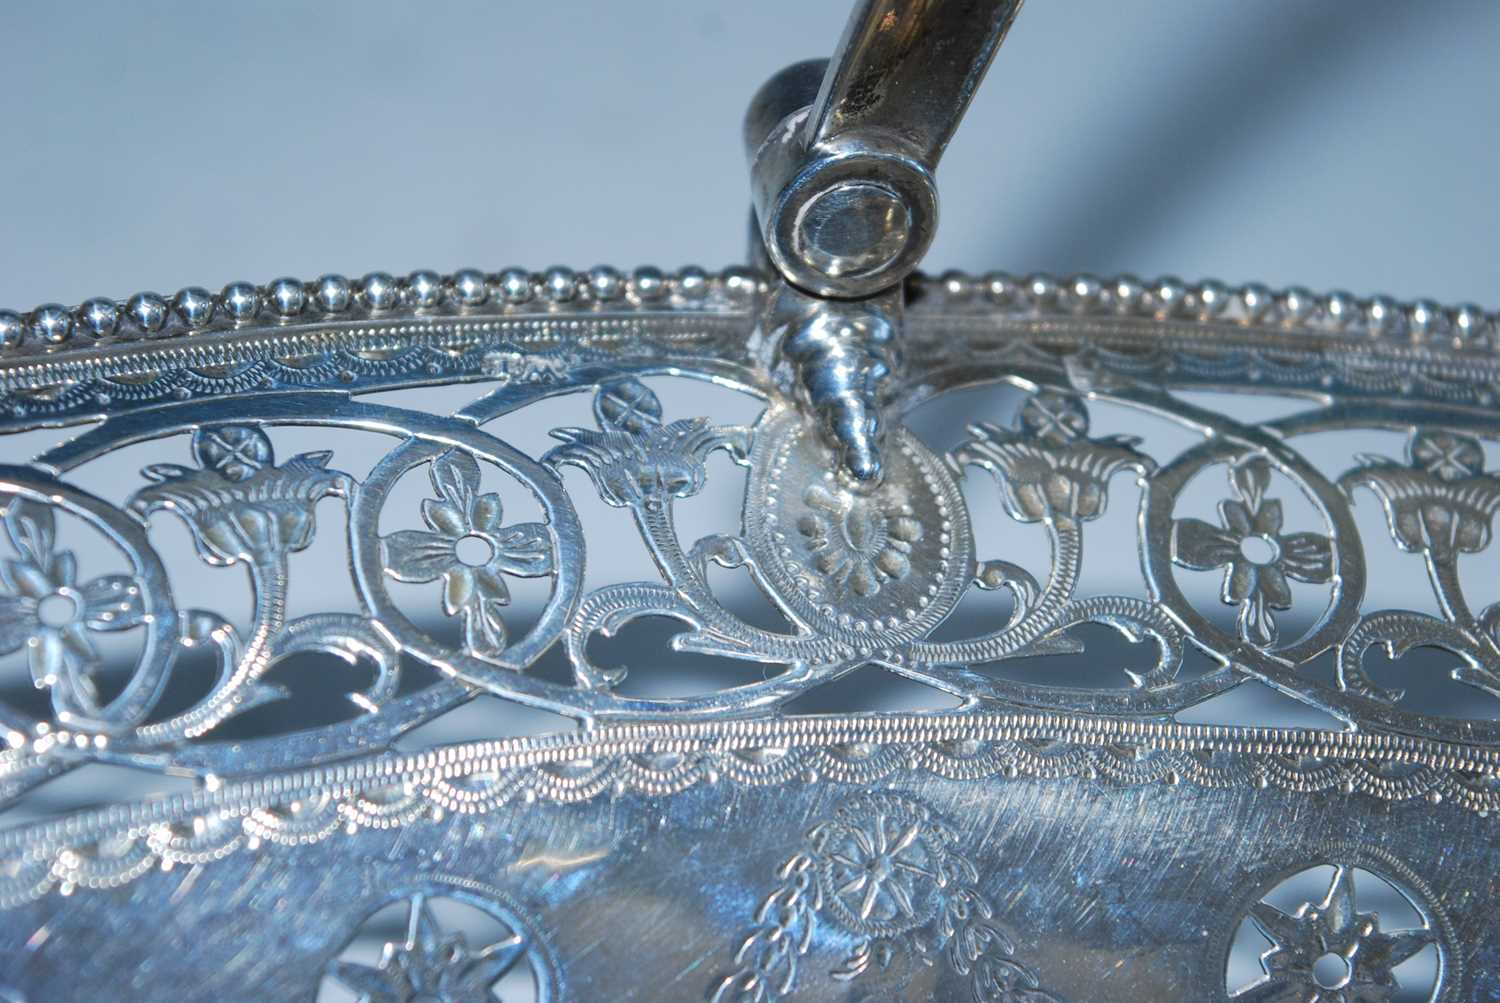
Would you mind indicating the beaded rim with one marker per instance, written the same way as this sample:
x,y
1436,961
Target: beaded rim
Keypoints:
x,y
195,310
1253,305
52,327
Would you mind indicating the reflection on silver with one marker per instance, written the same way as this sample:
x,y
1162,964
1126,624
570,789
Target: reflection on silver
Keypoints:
x,y
884,869
1059,832
430,963
863,576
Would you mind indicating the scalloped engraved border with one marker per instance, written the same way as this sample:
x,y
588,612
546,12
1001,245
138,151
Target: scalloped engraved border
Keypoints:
x,y
386,791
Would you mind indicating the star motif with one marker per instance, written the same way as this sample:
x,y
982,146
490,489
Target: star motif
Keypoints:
x,y
430,967
1328,952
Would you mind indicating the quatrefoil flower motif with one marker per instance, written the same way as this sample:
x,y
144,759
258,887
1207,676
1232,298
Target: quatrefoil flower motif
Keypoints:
x,y
862,541
470,550
1257,557
44,608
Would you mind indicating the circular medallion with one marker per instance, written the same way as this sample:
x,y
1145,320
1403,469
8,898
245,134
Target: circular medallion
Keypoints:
x,y
881,866
61,616
1253,551
868,566
463,940
1315,930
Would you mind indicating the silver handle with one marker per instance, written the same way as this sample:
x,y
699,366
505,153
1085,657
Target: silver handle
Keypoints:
x,y
842,175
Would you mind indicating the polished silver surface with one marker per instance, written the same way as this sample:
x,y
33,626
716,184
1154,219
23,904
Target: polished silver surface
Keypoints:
x,y
878,860
922,888
967,698
842,157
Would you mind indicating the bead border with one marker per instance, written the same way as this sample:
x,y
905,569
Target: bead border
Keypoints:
x,y
52,326
194,310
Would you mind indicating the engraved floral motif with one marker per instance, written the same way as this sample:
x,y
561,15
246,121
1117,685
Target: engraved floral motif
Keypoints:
x,y
242,509
1328,951
239,505
44,608
1257,557
859,540
1440,501
431,966
1441,504
1050,467
468,547
885,867
881,874
635,459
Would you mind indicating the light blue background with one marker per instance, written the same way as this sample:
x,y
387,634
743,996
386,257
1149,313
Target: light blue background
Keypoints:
x,y
152,145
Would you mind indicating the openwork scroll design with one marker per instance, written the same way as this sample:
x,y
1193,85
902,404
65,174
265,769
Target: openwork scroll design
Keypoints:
x,y
1440,503
863,576
241,509
885,869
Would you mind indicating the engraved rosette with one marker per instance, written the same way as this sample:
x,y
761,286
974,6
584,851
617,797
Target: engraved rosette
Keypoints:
x,y
871,566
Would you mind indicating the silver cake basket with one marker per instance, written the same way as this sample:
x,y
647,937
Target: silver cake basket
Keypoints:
x,y
542,725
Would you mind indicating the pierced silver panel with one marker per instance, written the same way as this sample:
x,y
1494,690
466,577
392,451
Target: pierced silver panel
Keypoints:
x,y
1079,798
